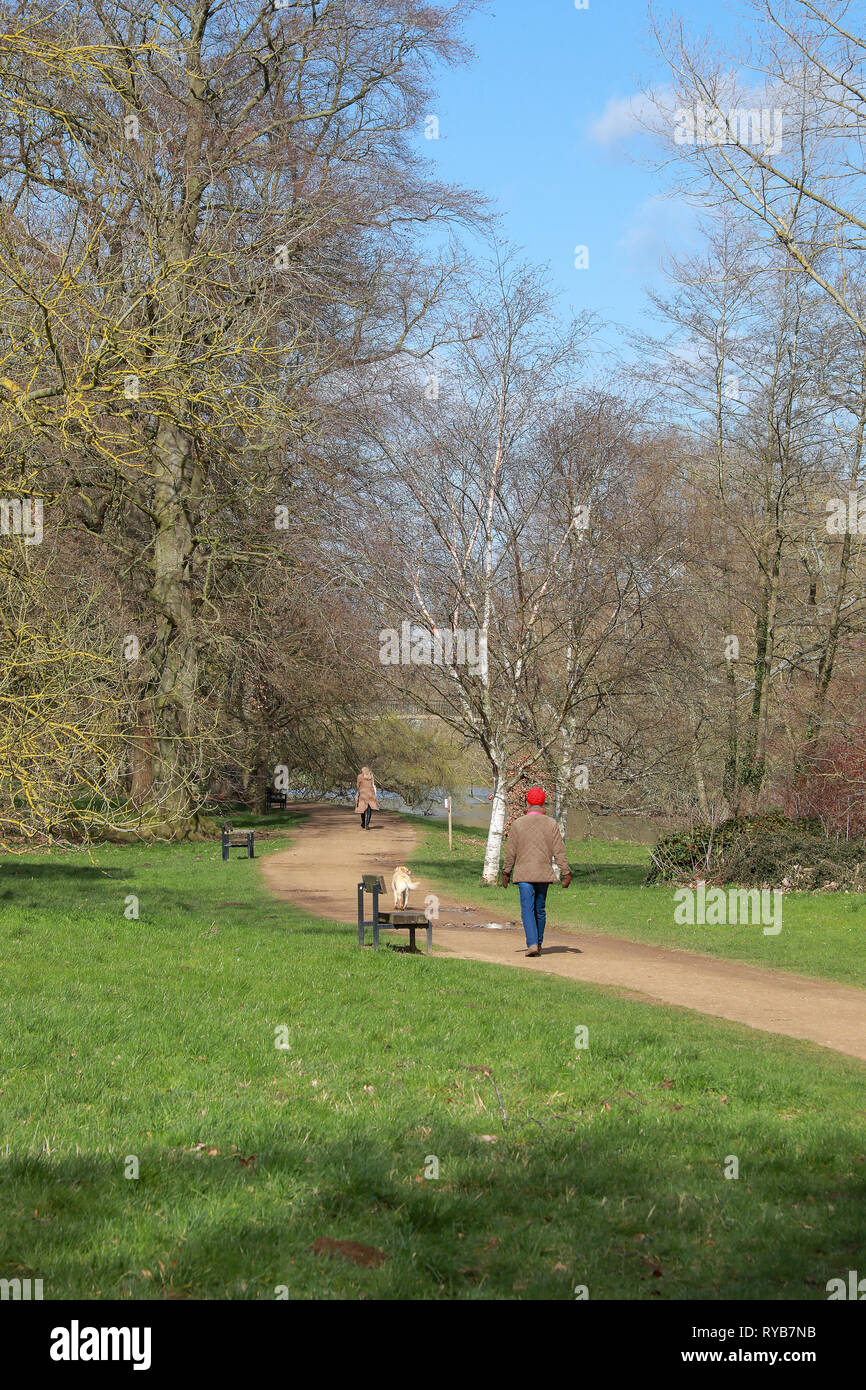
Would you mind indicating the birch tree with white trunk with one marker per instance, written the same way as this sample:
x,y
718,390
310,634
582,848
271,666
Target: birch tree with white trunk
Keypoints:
x,y
453,477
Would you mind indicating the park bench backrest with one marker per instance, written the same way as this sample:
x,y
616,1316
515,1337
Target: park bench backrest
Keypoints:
x,y
237,839
371,881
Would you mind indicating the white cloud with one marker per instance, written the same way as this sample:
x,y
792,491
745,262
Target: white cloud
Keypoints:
x,y
620,119
625,117
655,112
657,226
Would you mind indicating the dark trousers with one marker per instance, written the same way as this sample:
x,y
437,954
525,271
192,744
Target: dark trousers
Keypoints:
x,y
533,910
365,818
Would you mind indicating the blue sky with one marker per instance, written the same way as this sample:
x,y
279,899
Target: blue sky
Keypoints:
x,y
538,123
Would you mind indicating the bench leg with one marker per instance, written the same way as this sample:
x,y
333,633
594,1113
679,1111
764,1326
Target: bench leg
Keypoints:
x,y
360,914
412,946
429,937
225,849
251,845
375,919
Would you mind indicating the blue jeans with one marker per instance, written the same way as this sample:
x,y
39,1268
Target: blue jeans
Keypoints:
x,y
533,910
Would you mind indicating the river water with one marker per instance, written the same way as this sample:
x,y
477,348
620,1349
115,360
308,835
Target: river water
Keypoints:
x,y
473,808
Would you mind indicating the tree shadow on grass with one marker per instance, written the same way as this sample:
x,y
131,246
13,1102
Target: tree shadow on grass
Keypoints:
x,y
498,1221
609,875
244,819
50,872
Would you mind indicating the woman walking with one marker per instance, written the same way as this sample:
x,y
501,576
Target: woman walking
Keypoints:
x,y
365,801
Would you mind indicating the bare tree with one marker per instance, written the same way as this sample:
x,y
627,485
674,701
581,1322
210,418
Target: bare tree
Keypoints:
x,y
207,210
776,126
455,478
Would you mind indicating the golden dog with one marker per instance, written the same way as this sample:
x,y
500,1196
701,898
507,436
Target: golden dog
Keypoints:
x,y
401,882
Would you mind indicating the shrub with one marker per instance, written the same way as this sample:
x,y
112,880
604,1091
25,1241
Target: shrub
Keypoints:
x,y
754,851
834,786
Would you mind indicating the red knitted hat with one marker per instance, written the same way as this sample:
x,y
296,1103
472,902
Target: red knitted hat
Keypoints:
x,y
535,796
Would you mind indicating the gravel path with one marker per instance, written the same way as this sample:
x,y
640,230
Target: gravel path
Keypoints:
x,y
321,871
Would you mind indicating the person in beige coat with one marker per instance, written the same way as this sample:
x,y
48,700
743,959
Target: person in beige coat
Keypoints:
x,y
534,843
365,800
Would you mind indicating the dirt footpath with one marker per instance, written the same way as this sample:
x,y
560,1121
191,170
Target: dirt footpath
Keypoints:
x,y
321,871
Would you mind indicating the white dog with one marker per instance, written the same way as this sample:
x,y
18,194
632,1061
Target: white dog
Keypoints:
x,y
401,882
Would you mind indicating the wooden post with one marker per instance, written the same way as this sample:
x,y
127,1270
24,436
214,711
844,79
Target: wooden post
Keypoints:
x,y
448,804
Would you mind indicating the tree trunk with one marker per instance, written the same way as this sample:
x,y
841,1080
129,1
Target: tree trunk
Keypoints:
x,y
260,787
141,760
700,781
564,774
177,499
829,649
493,851
731,783
755,741
560,807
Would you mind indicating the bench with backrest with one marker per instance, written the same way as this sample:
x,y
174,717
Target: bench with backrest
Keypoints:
x,y
405,919
238,839
277,799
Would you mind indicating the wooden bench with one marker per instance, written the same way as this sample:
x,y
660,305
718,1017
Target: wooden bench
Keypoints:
x,y
280,800
238,839
406,919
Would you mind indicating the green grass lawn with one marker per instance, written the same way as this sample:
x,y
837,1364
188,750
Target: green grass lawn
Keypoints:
x,y
823,934
155,1038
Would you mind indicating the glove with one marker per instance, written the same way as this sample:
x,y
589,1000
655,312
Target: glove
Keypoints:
x,y
505,878
566,880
